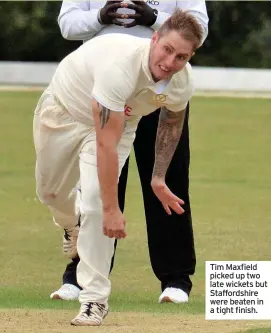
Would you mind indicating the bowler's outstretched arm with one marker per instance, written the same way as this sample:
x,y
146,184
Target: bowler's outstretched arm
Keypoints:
x,y
168,135
109,126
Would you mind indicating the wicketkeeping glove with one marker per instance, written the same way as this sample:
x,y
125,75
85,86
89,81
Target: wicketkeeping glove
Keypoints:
x,y
144,15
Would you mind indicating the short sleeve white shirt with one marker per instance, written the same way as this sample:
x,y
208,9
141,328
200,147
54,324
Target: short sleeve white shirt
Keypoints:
x,y
114,70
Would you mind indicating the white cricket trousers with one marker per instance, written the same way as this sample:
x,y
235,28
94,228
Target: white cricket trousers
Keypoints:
x,y
65,153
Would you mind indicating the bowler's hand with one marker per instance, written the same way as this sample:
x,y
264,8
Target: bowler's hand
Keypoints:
x,y
114,224
167,198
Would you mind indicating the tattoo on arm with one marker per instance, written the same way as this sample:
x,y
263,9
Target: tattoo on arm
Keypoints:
x,y
168,135
104,115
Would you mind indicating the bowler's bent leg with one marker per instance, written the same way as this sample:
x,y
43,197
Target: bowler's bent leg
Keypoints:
x,y
57,138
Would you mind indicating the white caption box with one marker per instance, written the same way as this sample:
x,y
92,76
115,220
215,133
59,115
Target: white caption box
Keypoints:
x,y
238,290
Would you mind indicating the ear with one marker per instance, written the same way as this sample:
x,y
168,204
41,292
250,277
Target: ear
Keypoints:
x,y
193,53
155,37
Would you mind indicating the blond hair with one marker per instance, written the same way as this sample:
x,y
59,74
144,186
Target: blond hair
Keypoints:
x,y
186,25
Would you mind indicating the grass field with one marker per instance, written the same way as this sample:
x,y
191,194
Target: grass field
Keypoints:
x,y
230,196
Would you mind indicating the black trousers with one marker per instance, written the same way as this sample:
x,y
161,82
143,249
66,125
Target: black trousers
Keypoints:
x,y
170,238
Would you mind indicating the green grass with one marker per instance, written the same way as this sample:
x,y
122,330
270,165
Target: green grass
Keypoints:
x,y
257,330
230,196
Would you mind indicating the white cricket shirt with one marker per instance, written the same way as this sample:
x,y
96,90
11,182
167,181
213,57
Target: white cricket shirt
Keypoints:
x,y
114,70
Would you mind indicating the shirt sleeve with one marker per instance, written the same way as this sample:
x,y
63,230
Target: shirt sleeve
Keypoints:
x,y
78,21
185,97
177,108
198,9
114,92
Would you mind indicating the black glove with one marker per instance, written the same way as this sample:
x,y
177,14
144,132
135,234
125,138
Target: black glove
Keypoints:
x,y
144,15
109,15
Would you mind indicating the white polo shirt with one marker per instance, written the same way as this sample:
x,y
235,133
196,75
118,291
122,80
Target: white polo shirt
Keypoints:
x,y
114,70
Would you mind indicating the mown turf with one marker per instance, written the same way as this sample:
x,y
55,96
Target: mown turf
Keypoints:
x,y
230,197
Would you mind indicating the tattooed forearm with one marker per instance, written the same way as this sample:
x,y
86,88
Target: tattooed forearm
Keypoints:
x,y
168,135
104,115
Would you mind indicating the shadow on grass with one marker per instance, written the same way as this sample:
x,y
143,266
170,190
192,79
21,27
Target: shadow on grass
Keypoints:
x,y
257,330
120,302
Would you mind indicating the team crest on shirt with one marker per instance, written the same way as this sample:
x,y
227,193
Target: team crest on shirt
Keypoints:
x,y
159,100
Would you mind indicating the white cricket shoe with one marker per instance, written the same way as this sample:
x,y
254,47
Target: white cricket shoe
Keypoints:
x,y
90,314
70,242
173,295
67,292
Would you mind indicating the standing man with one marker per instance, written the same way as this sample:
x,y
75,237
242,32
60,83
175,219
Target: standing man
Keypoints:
x,y
81,133
170,237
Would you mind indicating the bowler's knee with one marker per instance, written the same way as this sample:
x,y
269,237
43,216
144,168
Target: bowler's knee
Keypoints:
x,y
46,197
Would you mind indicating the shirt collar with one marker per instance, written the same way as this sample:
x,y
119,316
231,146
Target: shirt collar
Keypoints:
x,y
145,64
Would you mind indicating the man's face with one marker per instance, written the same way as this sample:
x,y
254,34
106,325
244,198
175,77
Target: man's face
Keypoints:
x,y
168,55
